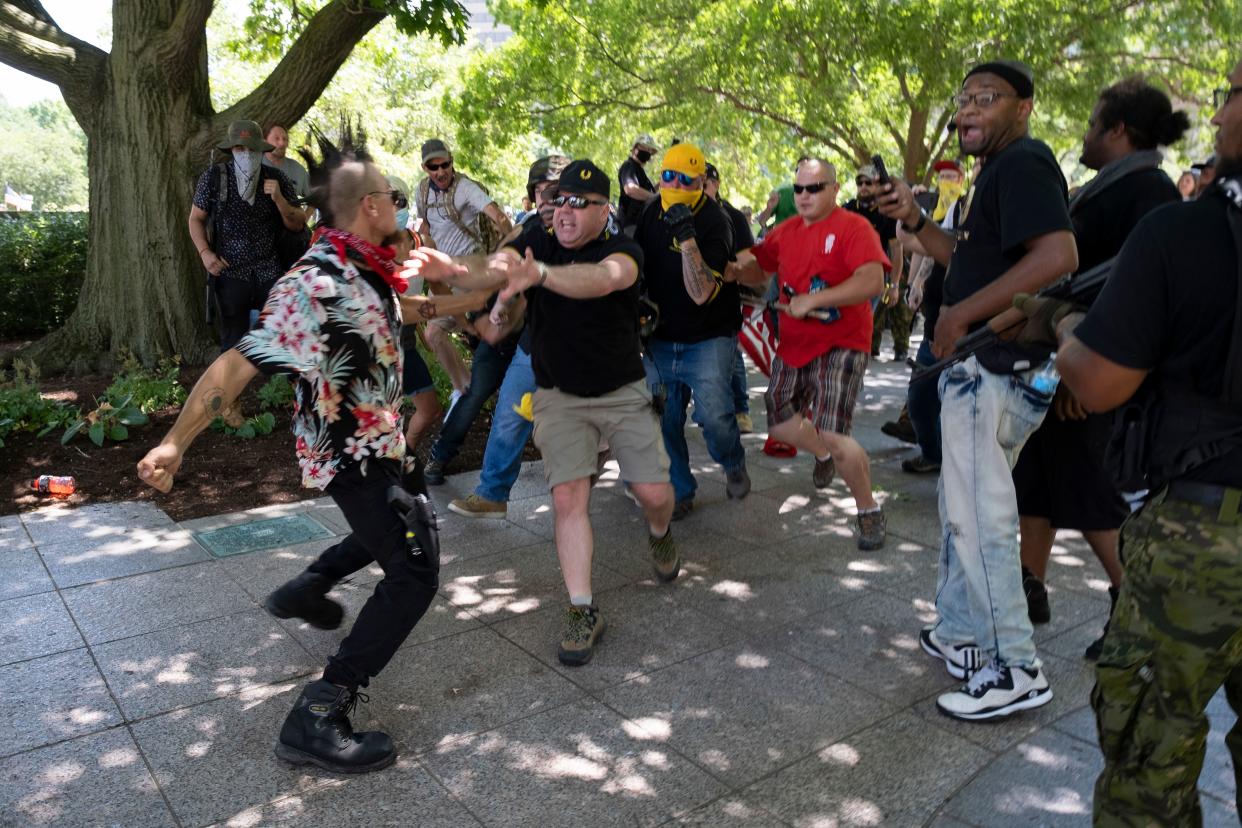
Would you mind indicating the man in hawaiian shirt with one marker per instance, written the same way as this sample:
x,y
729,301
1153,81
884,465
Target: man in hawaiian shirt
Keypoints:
x,y
333,322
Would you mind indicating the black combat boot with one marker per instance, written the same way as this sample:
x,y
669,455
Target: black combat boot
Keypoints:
x,y
305,597
317,732
1097,646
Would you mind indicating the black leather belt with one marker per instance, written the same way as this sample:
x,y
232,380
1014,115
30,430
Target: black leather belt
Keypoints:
x,y
1226,500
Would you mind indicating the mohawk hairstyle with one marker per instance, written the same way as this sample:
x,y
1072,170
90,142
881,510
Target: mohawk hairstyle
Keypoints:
x,y
337,177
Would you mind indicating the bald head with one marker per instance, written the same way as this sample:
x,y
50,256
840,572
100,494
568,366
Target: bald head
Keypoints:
x,y
817,180
348,184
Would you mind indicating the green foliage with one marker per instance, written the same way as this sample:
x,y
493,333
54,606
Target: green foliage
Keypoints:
x,y
108,421
148,390
23,410
276,393
43,154
259,424
42,264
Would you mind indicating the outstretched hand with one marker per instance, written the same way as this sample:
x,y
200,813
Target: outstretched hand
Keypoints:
x,y
432,265
159,467
518,274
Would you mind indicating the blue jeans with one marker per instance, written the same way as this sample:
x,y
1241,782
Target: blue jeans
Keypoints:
x,y
502,458
486,373
923,403
741,395
985,419
702,370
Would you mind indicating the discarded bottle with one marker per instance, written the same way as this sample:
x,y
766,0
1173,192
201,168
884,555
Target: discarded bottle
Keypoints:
x,y
50,484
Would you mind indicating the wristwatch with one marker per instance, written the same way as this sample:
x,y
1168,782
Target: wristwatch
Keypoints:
x,y
921,224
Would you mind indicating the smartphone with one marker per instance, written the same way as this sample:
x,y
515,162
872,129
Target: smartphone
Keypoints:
x,y
881,172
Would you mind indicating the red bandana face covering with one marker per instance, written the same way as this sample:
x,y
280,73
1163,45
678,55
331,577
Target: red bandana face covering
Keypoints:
x,y
379,259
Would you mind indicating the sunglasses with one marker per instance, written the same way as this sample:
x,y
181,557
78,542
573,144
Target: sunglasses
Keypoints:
x,y
863,182
818,186
398,198
1222,96
574,202
669,176
430,167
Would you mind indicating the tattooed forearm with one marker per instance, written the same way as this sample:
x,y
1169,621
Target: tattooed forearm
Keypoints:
x,y
701,283
213,402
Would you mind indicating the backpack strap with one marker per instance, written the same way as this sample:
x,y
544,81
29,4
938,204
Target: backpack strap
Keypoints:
x,y
1231,189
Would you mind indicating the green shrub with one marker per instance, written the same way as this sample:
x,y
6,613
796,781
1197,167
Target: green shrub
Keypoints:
x,y
107,421
147,390
259,424
276,393
23,410
42,264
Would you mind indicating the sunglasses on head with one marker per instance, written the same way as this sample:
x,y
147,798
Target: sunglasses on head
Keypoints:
x,y
574,202
669,176
818,186
432,167
398,198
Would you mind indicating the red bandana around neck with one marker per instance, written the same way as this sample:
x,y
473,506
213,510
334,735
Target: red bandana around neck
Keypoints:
x,y
379,259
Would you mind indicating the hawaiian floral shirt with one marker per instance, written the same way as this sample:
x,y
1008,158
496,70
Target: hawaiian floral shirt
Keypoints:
x,y
336,326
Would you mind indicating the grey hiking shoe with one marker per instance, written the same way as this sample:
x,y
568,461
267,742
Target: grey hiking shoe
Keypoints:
x,y
664,557
583,627
737,484
872,530
825,470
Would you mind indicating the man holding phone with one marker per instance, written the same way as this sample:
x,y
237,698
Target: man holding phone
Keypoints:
x,y
889,309
831,259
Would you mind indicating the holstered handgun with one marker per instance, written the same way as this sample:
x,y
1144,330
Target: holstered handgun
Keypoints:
x,y
422,531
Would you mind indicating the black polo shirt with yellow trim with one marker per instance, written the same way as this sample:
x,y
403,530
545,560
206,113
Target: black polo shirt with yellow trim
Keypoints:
x,y
585,347
681,319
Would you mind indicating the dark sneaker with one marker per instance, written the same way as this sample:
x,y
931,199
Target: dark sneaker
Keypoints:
x,y
872,530
1097,646
1036,598
919,465
901,428
433,473
664,557
583,627
305,597
317,732
682,508
900,356
996,691
961,660
473,506
737,484
825,470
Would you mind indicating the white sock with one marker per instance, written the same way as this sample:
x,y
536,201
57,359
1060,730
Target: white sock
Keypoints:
x,y
870,511
825,458
581,600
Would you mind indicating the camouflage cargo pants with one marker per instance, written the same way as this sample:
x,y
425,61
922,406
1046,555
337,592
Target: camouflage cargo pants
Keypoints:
x,y
899,319
1174,640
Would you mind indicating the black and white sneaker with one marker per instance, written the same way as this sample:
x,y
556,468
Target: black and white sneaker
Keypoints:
x,y
997,691
961,660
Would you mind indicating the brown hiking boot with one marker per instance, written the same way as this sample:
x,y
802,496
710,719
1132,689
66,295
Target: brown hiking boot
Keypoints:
x,y
664,558
583,627
825,470
872,530
473,506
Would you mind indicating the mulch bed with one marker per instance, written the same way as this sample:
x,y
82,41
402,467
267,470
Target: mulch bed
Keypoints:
x,y
220,473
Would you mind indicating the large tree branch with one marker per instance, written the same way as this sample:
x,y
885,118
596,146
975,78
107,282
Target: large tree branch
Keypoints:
x,y
32,42
301,76
183,39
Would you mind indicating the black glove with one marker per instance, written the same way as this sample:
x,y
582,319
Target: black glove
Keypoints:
x,y
681,221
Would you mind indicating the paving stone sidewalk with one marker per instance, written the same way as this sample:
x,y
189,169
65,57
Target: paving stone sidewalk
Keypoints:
x,y
778,681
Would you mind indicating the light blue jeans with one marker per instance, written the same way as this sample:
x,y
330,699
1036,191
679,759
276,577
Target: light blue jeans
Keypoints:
x,y
502,458
703,370
985,419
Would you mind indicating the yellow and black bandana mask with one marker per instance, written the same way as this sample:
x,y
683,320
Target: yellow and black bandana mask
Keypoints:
x,y
686,159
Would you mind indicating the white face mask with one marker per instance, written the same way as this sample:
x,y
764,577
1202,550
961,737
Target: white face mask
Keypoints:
x,y
247,161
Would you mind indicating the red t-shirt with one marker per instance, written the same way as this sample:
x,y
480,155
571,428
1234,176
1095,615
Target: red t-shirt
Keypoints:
x,y
811,257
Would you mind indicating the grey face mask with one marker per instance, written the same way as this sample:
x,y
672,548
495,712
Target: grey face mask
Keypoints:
x,y
246,165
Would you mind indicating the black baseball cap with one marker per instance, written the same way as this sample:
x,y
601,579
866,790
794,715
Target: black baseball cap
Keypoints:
x,y
711,172
584,177
1020,76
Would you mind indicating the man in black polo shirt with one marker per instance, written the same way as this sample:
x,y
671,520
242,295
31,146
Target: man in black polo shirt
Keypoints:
x,y
1015,236
687,241
888,308
581,286
1060,477
1165,337
636,187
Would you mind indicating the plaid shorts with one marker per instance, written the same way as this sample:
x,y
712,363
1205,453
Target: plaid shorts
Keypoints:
x,y
824,390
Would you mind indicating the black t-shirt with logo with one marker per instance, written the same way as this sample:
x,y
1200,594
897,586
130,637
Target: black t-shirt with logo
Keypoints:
x,y
681,320
632,172
743,236
1103,223
587,347
1020,194
1169,308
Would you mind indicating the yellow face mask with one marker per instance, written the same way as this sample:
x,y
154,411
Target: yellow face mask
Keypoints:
x,y
670,196
950,192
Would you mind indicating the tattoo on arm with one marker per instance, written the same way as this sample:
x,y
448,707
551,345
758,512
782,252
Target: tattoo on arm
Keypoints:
x,y
213,402
700,282
427,310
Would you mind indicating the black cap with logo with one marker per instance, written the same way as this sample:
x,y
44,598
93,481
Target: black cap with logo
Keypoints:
x,y
584,177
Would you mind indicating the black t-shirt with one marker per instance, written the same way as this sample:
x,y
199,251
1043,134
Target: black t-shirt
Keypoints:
x,y
681,320
933,288
1019,195
743,237
1103,222
884,226
587,347
632,172
531,224
1169,307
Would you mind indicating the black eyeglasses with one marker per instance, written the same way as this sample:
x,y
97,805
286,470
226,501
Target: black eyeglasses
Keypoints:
x,y
398,198
669,176
982,99
434,167
818,186
1222,96
574,202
